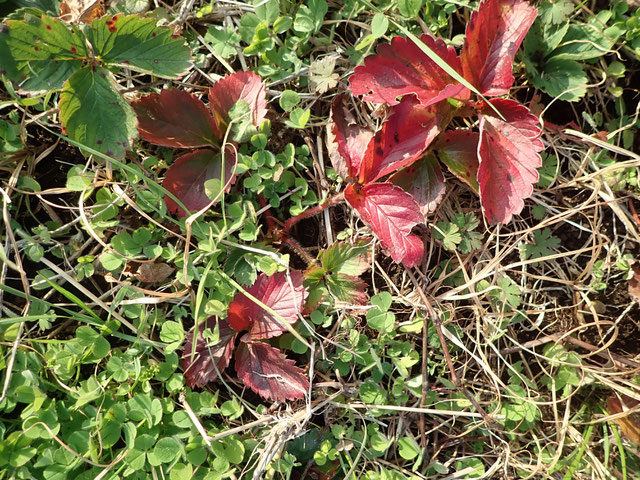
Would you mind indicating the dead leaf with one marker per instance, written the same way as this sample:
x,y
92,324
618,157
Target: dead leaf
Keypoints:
x,y
154,272
321,76
634,281
81,11
629,424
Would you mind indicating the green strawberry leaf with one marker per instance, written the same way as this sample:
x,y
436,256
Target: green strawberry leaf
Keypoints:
x,y
560,77
137,43
94,114
583,42
344,258
51,77
39,50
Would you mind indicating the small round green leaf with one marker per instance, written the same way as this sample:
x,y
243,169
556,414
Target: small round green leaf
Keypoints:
x,y
288,100
379,25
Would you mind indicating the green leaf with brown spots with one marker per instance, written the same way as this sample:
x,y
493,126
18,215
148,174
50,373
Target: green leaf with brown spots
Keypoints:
x,y
94,114
137,43
40,51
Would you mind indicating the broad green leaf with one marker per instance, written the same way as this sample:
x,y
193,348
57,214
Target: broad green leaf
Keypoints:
x,y
136,42
583,42
344,258
410,8
47,6
379,25
408,448
94,114
39,49
561,78
267,11
51,77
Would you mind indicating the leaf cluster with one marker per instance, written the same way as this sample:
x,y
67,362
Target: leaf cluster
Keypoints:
x,y
42,53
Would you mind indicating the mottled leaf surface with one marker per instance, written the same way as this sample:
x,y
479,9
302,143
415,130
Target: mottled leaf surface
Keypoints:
x,y
175,118
136,42
226,92
186,176
509,158
391,213
94,114
424,181
402,139
402,68
276,293
267,372
209,354
458,150
494,34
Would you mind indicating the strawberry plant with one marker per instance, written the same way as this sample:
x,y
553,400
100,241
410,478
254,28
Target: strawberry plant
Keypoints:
x,y
260,366
499,161
41,53
175,118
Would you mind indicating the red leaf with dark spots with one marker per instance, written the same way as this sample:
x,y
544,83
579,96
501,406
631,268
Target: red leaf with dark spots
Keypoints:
x,y
245,86
494,34
175,118
209,355
402,139
346,140
424,181
269,373
401,68
509,158
391,213
276,293
459,151
186,177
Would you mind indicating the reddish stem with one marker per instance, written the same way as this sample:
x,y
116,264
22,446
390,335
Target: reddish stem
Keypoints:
x,y
311,212
299,249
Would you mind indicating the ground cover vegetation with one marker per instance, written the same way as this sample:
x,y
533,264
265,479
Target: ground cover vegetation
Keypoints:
x,y
230,248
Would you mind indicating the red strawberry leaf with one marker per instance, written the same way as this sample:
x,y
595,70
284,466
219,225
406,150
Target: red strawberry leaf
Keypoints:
x,y
245,86
424,181
391,213
402,139
458,150
494,34
175,118
346,140
208,356
401,68
186,177
276,293
267,372
509,159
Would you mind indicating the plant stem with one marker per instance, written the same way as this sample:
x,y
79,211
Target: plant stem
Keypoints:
x,y
311,212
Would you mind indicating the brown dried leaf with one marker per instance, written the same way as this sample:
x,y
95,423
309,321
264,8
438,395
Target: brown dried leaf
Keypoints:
x,y
634,281
154,272
629,424
81,11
